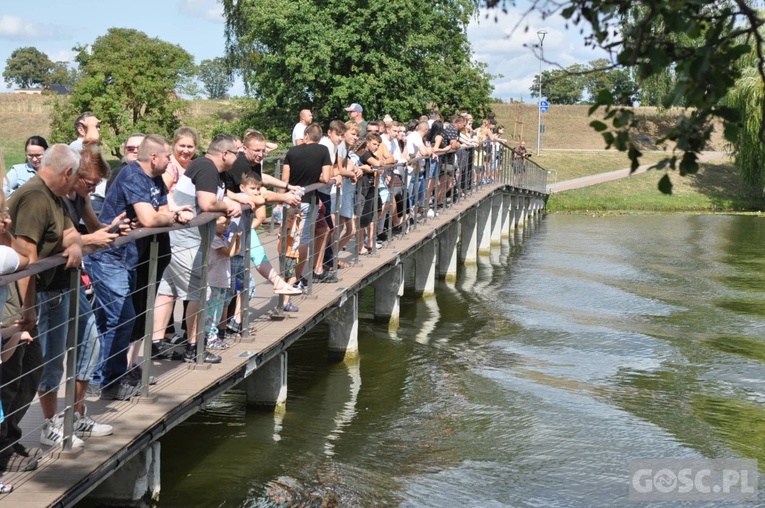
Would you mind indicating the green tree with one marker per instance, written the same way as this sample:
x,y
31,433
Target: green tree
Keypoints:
x,y
747,97
617,81
216,77
27,67
129,81
560,86
705,62
404,63
61,74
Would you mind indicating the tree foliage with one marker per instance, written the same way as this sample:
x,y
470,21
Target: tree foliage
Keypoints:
x,y
560,86
390,56
216,77
61,74
27,67
129,81
705,63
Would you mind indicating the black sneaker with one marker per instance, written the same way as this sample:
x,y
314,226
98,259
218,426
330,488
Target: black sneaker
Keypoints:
x,y
121,390
325,276
14,462
163,350
190,356
27,452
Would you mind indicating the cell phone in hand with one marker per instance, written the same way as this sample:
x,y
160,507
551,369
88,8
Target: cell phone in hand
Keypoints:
x,y
114,229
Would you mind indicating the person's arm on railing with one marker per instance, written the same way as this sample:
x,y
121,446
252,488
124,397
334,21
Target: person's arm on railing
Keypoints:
x,y
150,218
27,285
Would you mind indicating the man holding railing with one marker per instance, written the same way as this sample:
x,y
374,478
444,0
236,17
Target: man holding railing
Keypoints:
x,y
305,165
43,229
201,187
138,192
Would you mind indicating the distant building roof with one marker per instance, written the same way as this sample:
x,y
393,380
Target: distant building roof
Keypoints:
x,y
59,89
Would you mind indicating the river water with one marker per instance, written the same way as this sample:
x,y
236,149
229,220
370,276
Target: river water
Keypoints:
x,y
584,343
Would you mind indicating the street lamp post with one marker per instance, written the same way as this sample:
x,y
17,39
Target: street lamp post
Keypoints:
x,y
541,34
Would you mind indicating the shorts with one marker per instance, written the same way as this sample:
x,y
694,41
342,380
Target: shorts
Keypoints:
x,y
308,215
183,276
347,198
257,251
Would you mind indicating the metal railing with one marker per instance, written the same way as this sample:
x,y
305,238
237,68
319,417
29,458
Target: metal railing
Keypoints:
x,y
401,201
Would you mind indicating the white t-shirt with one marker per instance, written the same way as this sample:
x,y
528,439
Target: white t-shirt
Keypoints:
x,y
298,132
414,144
9,260
331,147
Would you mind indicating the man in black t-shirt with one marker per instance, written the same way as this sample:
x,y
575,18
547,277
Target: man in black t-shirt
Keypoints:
x,y
251,161
305,165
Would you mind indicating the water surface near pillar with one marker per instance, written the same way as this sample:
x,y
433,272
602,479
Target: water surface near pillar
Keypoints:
x,y
532,381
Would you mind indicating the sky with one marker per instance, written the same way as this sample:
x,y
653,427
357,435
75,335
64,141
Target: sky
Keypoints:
x,y
55,27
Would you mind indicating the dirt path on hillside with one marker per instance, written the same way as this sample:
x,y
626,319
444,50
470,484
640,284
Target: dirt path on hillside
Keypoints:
x,y
586,181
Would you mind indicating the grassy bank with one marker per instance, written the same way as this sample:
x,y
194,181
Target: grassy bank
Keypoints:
x,y
715,188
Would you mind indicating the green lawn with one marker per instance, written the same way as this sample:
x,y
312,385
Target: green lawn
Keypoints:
x,y
715,188
570,165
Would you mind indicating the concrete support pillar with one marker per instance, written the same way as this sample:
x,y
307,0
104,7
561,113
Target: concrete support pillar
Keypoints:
x,y
267,386
507,211
135,483
511,213
469,242
425,269
408,266
388,292
344,329
496,219
484,227
520,213
447,252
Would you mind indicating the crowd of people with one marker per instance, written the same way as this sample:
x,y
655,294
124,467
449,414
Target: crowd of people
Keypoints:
x,y
376,176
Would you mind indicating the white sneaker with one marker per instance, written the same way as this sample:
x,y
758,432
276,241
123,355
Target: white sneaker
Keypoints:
x,y
85,426
52,433
431,213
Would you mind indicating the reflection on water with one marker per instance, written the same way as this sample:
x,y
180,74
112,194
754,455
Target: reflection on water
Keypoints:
x,y
531,381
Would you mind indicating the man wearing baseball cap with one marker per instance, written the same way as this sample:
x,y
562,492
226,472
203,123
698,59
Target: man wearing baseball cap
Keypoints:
x,y
355,113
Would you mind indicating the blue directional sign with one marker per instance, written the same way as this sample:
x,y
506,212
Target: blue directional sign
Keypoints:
x,y
544,106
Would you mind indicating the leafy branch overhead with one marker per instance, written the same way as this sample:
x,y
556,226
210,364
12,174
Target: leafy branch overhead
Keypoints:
x,y
702,46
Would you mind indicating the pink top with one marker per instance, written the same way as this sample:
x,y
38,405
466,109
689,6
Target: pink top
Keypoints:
x,y
174,169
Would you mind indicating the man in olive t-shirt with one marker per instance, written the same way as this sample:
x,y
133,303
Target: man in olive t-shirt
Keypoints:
x,y
43,229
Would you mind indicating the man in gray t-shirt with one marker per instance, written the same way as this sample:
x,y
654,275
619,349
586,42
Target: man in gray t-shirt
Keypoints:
x,y
201,187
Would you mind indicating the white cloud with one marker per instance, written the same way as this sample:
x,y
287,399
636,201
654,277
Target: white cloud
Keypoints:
x,y
17,28
62,55
509,48
211,10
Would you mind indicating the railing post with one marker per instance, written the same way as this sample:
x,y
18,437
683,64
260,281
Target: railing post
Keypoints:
x,y
71,356
310,221
405,200
246,275
373,229
208,231
278,176
336,226
148,326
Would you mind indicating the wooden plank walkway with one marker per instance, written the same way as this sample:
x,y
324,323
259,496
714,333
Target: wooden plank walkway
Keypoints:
x,y
182,389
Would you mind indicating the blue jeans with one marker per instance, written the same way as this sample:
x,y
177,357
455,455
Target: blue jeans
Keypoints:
x,y
115,316
53,325
88,345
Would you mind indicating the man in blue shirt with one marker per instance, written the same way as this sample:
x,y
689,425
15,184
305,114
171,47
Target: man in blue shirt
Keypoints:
x,y
139,192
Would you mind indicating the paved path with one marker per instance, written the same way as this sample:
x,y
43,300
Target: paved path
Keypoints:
x,y
586,181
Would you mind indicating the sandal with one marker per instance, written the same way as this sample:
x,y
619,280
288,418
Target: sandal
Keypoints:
x,y
291,307
342,264
292,291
